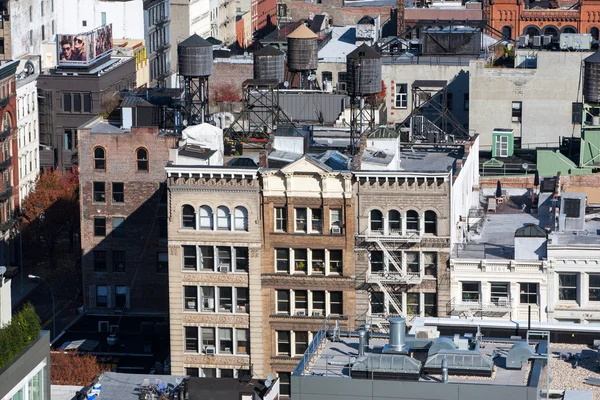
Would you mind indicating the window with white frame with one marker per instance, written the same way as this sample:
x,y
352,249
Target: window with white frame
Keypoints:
x,y
412,262
224,258
376,223
281,219
283,343
284,382
240,219
318,261
316,220
499,293
188,217
336,263
190,301
301,220
223,218
335,220
225,299
430,264
208,298
241,300
470,292
301,342
225,340
430,304
594,287
412,221
301,302
206,217
376,261
528,293
241,259
243,344
208,338
336,305
283,302
189,257
318,303
191,338
282,260
300,259
401,95
377,301
567,287
394,221
413,303
207,258
502,145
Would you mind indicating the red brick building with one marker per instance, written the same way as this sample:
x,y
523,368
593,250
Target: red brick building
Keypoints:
x,y
9,187
517,17
123,217
264,16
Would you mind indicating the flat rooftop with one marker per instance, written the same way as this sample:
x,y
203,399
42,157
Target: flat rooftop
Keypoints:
x,y
334,358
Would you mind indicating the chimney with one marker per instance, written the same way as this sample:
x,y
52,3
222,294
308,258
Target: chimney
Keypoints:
x,y
263,160
362,341
397,332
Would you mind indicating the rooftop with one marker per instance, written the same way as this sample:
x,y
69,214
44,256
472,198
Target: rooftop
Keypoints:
x,y
129,386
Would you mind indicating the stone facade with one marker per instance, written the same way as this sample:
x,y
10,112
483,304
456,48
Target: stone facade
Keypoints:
x,y
403,222
132,270
232,275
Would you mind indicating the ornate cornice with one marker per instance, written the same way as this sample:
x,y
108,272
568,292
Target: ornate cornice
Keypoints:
x,y
282,281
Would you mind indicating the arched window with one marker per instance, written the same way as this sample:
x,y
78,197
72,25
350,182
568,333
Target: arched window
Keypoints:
x,y
376,221
206,218
551,31
142,159
240,217
188,217
223,220
412,220
531,31
99,159
595,32
430,222
506,33
568,29
394,221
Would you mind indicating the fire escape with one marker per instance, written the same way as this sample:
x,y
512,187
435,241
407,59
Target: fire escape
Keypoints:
x,y
393,280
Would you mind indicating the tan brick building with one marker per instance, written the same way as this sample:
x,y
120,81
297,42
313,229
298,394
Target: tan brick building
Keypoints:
x,y
214,271
123,217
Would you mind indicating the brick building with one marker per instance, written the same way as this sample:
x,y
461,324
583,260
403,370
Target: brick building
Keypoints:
x,y
514,17
123,217
342,12
264,17
215,271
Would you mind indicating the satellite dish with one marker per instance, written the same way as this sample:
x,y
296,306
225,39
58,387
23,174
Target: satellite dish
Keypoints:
x,y
268,383
184,122
270,377
286,84
525,165
2,270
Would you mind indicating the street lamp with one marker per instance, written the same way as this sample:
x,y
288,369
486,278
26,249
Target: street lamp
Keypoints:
x,y
52,294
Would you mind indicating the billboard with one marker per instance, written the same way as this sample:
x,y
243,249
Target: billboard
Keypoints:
x,y
83,49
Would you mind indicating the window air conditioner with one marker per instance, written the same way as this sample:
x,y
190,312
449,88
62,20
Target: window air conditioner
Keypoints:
x,y
301,312
336,230
224,269
209,350
317,313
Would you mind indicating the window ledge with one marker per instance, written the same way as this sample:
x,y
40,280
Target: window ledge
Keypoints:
x,y
215,272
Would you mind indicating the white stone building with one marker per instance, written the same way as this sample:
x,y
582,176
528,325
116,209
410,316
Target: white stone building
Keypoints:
x,y
27,126
33,22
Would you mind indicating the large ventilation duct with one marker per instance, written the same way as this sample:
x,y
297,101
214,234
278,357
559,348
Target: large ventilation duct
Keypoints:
x,y
397,336
518,355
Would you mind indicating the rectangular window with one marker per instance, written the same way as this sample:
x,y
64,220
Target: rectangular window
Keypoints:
x,y
412,262
326,76
318,302
377,303
191,338
413,303
301,301
118,227
376,261
162,263
567,287
430,263
316,220
241,259
284,383
225,299
190,298
99,260
281,219
118,261
336,263
121,295
283,343
207,258
430,305
225,340
318,261
341,84
242,343
529,293
241,300
118,192
501,146
87,102
99,226
499,293
208,338
224,259
300,260
101,296
43,33
69,139
401,95
67,102
594,290
189,257
572,207
336,305
208,298
517,110
301,342
192,372
77,102
470,292
282,260
99,192
283,302
301,216
335,220
228,373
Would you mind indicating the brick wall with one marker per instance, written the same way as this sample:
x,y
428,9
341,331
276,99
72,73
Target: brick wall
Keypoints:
x,y
300,9
141,209
229,77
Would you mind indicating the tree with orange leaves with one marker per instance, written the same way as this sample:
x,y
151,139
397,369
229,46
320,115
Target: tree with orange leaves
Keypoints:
x,y
72,368
52,209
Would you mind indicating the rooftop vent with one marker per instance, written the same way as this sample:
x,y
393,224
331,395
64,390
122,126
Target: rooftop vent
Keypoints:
x,y
460,362
387,366
440,344
397,337
518,355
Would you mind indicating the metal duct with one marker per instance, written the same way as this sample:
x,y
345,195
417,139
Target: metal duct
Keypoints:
x,y
444,370
460,362
442,343
362,339
518,355
397,334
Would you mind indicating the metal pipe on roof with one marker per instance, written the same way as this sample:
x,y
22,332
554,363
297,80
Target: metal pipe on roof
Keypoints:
x,y
362,339
397,333
444,370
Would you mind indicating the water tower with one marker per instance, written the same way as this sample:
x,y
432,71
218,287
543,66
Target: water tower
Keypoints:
x,y
195,59
363,74
303,54
269,63
588,114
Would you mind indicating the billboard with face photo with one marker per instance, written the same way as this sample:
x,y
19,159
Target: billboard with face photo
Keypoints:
x,y
85,48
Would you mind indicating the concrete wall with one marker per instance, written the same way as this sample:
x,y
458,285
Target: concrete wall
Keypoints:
x,y
22,25
127,18
546,93
71,15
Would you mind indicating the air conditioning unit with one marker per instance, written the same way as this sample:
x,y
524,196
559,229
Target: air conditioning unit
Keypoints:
x,y
301,312
224,268
103,326
537,41
209,350
227,350
546,40
523,40
336,230
317,313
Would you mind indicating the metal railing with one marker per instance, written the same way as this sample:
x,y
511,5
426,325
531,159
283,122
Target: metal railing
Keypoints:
x,y
507,169
477,306
482,251
313,349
